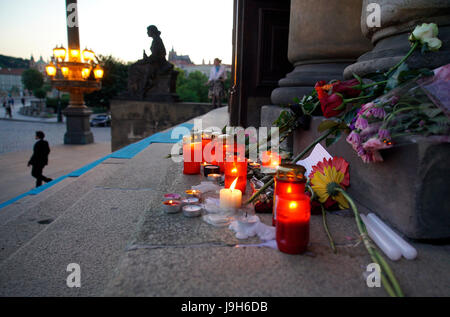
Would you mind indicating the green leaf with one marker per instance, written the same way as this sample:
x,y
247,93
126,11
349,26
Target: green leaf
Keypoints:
x,y
326,125
330,141
393,80
432,112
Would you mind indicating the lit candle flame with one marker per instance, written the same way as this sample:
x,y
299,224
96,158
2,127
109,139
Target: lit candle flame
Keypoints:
x,y
234,170
233,185
293,205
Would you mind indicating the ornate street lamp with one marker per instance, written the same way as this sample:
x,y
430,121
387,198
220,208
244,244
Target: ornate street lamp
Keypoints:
x,y
73,75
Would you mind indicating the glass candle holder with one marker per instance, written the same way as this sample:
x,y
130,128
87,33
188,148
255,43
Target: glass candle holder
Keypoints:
x,y
206,139
292,226
290,184
270,159
191,155
236,169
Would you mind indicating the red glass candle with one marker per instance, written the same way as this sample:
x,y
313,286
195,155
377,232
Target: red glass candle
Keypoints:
x,y
236,169
191,156
270,159
290,183
292,226
206,139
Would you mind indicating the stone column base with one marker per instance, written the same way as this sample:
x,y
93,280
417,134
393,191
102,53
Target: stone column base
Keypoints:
x,y
301,81
78,126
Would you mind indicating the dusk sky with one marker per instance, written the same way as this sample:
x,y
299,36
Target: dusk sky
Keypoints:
x,y
198,28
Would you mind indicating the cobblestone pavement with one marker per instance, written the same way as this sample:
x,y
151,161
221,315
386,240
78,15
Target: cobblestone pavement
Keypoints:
x,y
19,136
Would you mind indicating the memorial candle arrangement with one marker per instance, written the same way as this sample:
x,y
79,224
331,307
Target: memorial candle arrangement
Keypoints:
x,y
292,209
236,170
191,155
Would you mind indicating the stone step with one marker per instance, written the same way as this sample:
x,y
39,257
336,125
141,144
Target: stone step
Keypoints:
x,y
29,217
91,226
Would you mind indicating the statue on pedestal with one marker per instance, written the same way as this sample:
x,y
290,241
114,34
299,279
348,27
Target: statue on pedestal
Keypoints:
x,y
153,78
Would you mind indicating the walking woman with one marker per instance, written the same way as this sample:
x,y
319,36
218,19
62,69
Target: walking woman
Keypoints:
x,y
216,81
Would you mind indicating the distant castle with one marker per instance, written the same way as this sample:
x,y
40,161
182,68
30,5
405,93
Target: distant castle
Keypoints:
x,y
184,62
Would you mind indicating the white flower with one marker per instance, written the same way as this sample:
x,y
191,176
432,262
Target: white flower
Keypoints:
x,y
427,34
434,44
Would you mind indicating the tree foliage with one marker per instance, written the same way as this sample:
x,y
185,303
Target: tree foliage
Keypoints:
x,y
114,82
192,87
32,79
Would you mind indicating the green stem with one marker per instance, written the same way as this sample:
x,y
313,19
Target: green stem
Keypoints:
x,y
325,225
413,48
373,84
391,285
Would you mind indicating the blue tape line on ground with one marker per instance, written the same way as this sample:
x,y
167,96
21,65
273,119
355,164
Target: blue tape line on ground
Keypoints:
x,y
88,167
11,201
40,189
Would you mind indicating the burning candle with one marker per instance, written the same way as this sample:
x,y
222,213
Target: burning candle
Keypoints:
x,y
270,160
192,211
292,226
290,183
236,169
206,139
231,198
172,206
194,193
191,155
211,169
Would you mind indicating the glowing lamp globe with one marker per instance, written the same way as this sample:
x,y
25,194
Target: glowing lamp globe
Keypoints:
x,y
85,72
59,52
50,69
65,71
98,72
88,55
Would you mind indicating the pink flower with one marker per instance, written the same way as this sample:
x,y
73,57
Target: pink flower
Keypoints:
x,y
361,123
376,112
375,144
384,134
354,139
371,157
367,106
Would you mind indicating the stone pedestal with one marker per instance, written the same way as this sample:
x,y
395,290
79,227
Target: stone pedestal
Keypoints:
x,y
78,127
409,190
324,38
398,19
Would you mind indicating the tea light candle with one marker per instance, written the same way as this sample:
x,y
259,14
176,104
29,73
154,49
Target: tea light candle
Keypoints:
x,y
190,201
192,211
214,177
254,165
231,198
172,196
211,169
193,193
172,206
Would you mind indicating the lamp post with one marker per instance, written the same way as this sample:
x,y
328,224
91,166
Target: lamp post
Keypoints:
x,y
77,73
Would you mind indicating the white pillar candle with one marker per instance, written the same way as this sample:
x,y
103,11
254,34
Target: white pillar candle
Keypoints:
x,y
231,198
387,246
408,251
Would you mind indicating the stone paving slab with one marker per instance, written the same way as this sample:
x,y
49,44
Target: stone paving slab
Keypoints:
x,y
93,233
51,205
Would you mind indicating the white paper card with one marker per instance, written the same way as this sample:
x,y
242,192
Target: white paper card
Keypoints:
x,y
316,156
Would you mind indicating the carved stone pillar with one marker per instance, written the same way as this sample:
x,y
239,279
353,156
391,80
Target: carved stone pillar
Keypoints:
x,y
398,19
324,38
